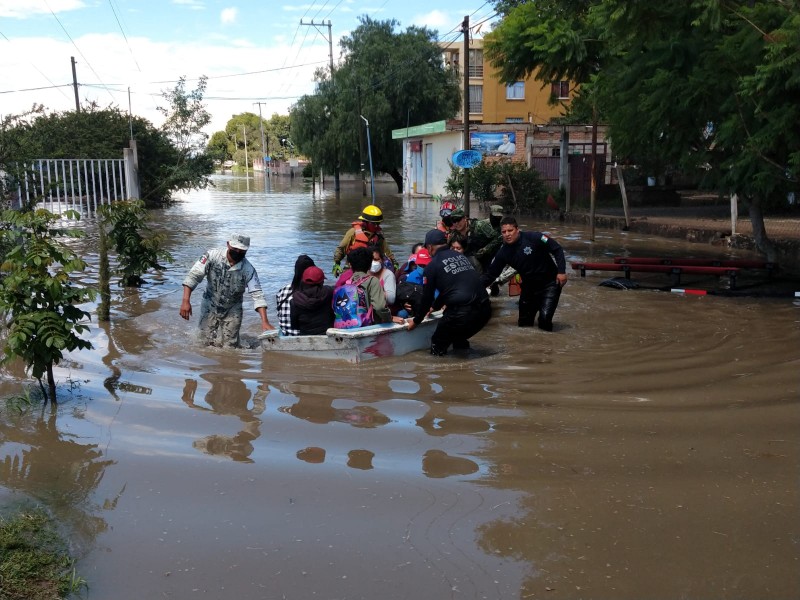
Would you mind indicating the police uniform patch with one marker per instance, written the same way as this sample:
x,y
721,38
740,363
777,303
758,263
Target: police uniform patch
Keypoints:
x,y
545,239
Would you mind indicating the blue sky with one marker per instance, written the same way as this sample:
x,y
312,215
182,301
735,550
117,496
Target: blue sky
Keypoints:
x,y
252,51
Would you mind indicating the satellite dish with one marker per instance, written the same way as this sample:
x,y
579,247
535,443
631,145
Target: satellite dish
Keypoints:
x,y
466,159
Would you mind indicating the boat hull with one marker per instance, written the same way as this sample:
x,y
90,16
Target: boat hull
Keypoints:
x,y
354,345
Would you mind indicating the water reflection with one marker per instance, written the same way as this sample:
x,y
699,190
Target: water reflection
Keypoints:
x,y
228,395
646,445
53,467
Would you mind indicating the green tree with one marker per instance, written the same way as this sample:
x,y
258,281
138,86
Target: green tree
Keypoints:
x,y
138,248
102,133
241,127
702,86
37,297
219,146
411,86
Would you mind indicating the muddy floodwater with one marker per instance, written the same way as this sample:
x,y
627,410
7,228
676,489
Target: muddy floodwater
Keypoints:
x,y
648,448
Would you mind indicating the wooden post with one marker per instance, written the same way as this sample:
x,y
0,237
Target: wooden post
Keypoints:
x,y
624,194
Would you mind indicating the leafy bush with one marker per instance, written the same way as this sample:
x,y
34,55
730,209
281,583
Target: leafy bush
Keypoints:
x,y
36,293
136,253
520,187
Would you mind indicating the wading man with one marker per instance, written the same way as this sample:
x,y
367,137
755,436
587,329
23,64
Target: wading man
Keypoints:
x,y
540,262
229,274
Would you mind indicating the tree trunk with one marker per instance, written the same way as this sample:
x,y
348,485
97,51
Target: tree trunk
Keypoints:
x,y
104,309
762,242
398,179
51,383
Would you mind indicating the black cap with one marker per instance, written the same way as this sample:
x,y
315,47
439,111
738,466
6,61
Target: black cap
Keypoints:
x,y
435,238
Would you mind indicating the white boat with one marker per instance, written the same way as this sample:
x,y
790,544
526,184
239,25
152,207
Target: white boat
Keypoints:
x,y
355,345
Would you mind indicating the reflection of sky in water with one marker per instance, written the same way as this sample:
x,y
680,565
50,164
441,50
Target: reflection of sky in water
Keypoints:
x,y
404,386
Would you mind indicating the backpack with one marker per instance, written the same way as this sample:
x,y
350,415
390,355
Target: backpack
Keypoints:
x,y
408,293
350,306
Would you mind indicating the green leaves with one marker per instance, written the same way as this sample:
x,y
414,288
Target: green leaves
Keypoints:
x,y
392,78
37,295
136,254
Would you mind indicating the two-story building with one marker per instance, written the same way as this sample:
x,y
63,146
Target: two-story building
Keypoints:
x,y
506,122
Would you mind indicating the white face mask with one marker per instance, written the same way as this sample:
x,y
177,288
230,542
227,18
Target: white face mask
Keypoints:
x,y
376,266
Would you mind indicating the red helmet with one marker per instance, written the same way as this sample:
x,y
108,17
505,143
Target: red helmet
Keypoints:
x,y
446,208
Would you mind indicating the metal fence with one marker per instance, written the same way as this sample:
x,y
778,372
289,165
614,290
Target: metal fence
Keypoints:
x,y
72,184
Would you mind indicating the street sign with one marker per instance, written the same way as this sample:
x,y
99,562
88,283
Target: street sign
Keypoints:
x,y
466,159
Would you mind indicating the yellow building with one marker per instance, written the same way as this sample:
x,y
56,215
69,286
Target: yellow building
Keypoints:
x,y
491,101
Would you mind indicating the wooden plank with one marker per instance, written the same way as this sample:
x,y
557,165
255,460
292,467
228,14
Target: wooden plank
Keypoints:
x,y
694,262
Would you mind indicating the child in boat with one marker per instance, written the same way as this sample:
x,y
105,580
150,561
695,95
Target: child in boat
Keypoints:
x,y
360,261
312,312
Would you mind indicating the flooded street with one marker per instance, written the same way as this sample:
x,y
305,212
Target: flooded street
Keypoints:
x,y
648,448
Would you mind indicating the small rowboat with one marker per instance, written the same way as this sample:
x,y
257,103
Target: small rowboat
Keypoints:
x,y
355,345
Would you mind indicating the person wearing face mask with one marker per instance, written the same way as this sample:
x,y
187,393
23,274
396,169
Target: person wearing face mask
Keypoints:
x,y
479,237
229,274
380,268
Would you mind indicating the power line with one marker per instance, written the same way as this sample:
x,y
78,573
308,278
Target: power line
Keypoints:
x,y
111,3
52,85
73,43
36,89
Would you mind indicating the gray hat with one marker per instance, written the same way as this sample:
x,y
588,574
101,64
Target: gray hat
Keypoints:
x,y
239,241
496,210
435,238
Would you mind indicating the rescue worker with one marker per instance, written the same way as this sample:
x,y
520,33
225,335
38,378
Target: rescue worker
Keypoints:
x,y
229,274
480,239
365,231
467,306
445,210
540,262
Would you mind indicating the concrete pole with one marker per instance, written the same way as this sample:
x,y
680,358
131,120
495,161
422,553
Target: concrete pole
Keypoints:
x,y
465,64
75,85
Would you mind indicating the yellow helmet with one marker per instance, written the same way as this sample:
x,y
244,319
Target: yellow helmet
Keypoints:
x,y
371,214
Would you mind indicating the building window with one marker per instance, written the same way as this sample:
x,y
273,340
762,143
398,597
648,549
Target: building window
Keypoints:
x,y
450,59
560,90
514,120
515,91
476,63
475,99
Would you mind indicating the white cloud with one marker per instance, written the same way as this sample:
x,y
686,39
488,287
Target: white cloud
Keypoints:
x,y
15,9
194,4
434,19
161,63
228,15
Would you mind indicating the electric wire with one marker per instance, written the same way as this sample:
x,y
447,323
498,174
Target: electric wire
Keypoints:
x,y
88,64
52,84
111,4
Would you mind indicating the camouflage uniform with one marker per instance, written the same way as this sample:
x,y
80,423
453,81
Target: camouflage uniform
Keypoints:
x,y
221,309
482,241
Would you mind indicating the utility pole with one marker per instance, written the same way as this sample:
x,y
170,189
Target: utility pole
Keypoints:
x,y
369,149
75,85
263,147
330,54
244,134
465,64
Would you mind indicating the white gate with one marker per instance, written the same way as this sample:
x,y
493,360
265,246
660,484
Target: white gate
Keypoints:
x,y
60,184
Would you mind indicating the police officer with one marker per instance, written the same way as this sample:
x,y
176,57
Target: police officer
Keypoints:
x,y
467,306
542,267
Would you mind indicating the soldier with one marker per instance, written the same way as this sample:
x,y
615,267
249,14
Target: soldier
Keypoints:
x,y
229,274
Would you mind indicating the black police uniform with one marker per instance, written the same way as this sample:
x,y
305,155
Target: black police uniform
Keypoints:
x,y
467,306
538,258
